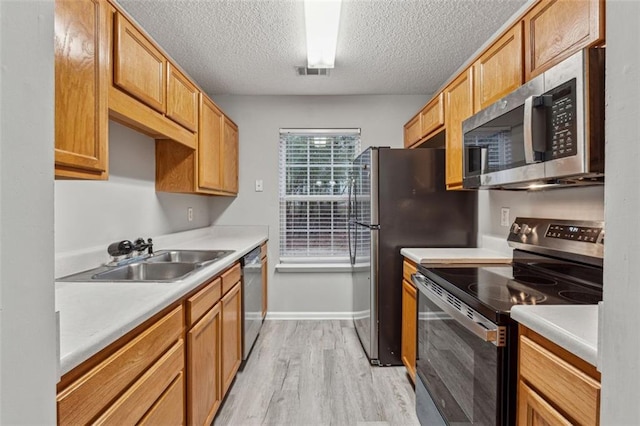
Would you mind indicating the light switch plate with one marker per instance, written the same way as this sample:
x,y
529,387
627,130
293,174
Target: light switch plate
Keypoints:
x,y
504,216
259,185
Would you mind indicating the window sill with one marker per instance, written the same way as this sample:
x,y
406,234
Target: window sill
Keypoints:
x,y
313,267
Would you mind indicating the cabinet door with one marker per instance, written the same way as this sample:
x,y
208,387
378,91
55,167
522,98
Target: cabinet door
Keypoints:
x,y
203,369
409,327
499,70
231,335
230,157
139,68
210,145
169,409
182,99
412,131
432,116
81,88
459,106
533,410
555,29
264,287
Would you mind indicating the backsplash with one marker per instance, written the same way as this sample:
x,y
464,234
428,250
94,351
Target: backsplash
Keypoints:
x,y
92,213
586,203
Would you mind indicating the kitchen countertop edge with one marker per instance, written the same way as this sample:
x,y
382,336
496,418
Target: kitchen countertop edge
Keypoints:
x,y
572,327
81,335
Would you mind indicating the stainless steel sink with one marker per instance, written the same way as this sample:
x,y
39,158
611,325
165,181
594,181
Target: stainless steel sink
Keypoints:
x,y
188,256
145,271
163,266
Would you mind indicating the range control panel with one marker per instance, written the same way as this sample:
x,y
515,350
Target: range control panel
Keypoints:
x,y
558,237
574,233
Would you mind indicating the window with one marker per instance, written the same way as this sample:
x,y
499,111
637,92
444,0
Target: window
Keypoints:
x,y
314,178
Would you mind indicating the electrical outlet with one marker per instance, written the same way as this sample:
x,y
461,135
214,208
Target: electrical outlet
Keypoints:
x,y
504,217
190,214
259,186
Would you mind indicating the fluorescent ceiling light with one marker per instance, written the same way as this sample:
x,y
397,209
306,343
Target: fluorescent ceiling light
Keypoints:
x,y
322,18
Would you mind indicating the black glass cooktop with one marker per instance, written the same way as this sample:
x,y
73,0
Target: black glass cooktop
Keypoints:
x,y
493,289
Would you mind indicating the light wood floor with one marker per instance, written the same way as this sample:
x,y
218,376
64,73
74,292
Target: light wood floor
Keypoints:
x,y
316,373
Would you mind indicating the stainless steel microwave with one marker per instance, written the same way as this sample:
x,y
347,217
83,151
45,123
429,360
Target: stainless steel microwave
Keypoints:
x,y
547,133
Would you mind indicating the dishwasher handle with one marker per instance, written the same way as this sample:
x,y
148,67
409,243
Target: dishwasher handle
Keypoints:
x,y
460,312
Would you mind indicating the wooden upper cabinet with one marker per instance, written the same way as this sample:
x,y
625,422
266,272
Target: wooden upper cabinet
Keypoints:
x,y
81,88
499,70
459,106
432,116
182,99
230,157
210,145
412,131
139,68
555,29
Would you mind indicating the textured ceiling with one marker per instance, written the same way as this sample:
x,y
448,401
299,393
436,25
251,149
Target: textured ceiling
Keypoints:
x,y
250,47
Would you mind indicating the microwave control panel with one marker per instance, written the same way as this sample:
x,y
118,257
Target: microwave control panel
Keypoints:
x,y
561,117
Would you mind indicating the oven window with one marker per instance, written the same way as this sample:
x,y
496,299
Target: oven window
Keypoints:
x,y
497,145
459,370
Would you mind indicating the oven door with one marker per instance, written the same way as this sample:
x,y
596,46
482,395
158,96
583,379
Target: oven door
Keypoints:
x,y
460,368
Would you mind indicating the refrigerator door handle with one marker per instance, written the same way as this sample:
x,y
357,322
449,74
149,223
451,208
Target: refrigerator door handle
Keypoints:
x,y
352,249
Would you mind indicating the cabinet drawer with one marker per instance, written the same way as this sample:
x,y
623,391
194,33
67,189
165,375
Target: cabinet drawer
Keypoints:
x,y
203,300
408,268
230,278
169,409
81,401
142,395
432,116
263,251
182,99
139,68
572,391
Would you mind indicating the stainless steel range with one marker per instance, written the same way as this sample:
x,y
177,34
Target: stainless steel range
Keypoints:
x,y
467,342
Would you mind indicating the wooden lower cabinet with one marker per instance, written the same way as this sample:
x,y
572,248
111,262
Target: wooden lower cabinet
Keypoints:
x,y
173,369
231,335
204,392
533,410
409,337
265,292
555,387
409,327
111,388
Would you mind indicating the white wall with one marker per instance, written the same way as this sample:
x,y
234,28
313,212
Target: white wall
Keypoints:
x,y
619,322
27,320
585,203
259,118
95,213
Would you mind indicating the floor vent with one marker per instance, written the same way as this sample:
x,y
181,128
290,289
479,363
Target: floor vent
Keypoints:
x,y
313,71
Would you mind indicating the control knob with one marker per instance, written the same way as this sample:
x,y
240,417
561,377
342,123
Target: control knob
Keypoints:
x,y
526,229
515,228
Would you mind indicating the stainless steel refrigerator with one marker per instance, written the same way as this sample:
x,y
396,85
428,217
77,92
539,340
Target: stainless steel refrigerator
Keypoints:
x,y
397,199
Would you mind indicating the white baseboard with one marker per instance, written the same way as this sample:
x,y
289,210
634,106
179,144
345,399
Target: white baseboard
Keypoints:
x,y
309,316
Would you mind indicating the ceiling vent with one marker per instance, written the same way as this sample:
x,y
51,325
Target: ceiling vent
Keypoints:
x,y
312,71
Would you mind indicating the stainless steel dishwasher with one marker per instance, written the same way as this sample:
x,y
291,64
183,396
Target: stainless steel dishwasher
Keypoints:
x,y
251,300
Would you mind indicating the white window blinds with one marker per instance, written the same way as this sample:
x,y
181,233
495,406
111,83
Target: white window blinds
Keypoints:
x,y
314,177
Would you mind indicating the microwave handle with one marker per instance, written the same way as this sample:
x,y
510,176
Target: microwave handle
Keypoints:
x,y
529,154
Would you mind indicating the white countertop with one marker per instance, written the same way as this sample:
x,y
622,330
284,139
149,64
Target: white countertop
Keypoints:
x,y
95,314
455,255
572,327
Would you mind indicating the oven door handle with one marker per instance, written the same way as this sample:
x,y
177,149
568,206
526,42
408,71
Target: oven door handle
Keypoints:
x,y
484,329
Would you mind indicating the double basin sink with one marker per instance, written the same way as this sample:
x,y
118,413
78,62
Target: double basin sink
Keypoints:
x,y
163,266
